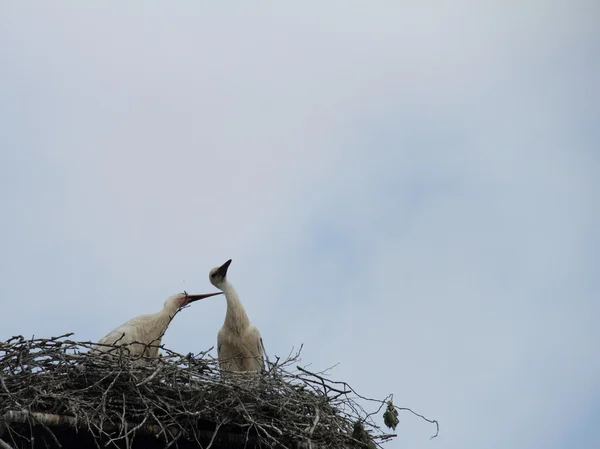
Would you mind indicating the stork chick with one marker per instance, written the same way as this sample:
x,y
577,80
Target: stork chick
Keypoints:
x,y
145,330
239,344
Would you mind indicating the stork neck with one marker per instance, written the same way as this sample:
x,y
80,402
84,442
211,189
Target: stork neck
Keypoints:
x,y
236,318
165,316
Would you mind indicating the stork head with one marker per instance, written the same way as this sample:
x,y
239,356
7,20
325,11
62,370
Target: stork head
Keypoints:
x,y
218,274
180,300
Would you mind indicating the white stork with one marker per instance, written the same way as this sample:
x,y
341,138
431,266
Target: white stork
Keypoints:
x,y
145,330
239,344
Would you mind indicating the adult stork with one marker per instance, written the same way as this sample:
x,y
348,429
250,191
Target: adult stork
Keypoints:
x,y
239,344
143,333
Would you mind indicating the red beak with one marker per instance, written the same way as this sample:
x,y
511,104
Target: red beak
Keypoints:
x,y
192,298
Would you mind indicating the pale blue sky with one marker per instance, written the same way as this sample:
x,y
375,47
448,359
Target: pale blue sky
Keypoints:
x,y
407,188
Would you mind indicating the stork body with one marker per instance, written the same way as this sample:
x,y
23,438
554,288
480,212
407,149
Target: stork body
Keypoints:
x,y
143,334
239,344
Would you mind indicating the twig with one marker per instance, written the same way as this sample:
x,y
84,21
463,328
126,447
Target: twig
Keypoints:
x,y
150,378
312,429
5,445
432,421
214,435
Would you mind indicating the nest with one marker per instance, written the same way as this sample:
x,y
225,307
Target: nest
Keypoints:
x,y
56,385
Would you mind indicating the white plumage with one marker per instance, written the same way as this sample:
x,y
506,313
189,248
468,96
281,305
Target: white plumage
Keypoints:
x,y
239,344
143,333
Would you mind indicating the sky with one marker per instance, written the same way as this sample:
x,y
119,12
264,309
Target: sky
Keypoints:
x,y
405,188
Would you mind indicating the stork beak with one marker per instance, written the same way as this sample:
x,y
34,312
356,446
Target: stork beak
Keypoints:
x,y
192,298
223,268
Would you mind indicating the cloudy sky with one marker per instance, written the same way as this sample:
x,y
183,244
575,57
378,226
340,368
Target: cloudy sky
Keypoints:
x,y
406,188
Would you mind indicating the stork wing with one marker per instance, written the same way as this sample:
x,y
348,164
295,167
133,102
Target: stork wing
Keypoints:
x,y
219,345
266,357
130,332
121,335
125,333
257,349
